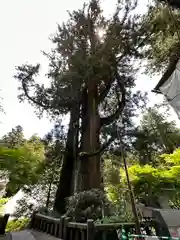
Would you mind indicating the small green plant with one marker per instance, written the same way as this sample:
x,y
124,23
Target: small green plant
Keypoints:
x,y
17,224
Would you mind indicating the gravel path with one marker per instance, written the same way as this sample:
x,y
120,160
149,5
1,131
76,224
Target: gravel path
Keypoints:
x,y
42,236
28,235
22,235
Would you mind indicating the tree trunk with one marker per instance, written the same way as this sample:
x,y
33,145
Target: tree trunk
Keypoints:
x,y
48,195
90,174
66,178
8,193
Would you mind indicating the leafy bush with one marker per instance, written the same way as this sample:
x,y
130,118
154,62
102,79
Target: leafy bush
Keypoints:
x,y
87,205
149,182
3,201
17,224
121,204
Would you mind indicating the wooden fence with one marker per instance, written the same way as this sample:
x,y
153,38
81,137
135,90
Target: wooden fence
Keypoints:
x,y
3,223
67,230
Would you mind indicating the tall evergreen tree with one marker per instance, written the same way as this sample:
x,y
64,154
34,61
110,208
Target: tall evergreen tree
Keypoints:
x,y
87,73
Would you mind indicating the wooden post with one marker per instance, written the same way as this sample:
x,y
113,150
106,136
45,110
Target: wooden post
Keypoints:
x,y
47,229
56,229
77,234
82,234
52,229
90,229
41,225
3,223
65,228
71,233
31,223
44,225
61,227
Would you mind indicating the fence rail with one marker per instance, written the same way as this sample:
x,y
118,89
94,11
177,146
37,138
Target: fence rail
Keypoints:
x,y
64,229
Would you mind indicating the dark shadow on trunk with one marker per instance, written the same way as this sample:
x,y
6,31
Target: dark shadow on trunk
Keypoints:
x,y
65,185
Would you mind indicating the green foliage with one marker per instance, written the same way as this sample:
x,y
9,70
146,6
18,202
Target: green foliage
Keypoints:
x,y
87,205
23,164
174,202
17,225
3,201
118,195
126,217
21,159
172,159
163,40
111,172
156,136
41,194
15,138
149,182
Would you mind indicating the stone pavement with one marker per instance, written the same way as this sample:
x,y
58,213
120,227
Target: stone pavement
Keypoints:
x,y
42,236
28,235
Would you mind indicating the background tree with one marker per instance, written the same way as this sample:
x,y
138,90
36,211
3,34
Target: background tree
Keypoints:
x,y
149,183
14,139
40,195
22,159
162,45
157,136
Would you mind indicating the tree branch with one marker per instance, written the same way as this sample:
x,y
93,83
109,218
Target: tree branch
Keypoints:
x,y
121,104
25,76
100,151
105,91
32,99
127,50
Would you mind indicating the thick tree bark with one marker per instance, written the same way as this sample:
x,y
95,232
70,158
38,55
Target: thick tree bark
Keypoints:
x,y
9,193
48,195
90,174
66,178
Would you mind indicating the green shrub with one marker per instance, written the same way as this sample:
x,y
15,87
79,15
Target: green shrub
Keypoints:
x,y
16,224
3,201
87,205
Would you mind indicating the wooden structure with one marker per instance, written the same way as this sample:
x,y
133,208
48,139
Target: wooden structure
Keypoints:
x,y
170,69
3,223
64,229
169,84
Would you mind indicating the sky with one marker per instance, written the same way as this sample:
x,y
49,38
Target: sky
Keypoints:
x,y
25,27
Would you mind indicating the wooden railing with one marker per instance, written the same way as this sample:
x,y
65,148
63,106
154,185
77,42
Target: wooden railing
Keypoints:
x,y
65,229
3,223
